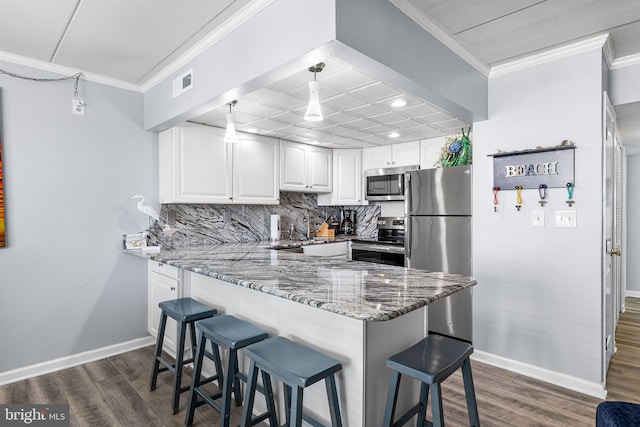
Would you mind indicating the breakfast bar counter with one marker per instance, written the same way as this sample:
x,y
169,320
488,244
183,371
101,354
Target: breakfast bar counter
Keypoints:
x,y
357,312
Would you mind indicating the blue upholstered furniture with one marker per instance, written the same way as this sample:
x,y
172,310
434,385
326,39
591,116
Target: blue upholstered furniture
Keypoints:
x,y
617,414
298,367
185,311
233,333
430,361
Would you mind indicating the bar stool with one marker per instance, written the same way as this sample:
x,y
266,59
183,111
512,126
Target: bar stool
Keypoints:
x,y
185,311
297,367
235,334
431,361
617,414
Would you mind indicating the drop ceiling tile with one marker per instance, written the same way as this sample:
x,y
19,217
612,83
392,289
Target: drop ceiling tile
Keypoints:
x,y
346,81
449,124
268,124
125,40
302,92
376,91
434,118
354,133
418,110
256,109
337,130
366,110
425,132
405,124
295,81
360,124
238,116
286,102
34,28
387,117
291,117
340,117
376,140
342,102
292,130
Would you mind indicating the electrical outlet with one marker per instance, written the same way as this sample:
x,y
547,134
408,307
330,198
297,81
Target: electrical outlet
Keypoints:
x,y
77,106
537,218
565,218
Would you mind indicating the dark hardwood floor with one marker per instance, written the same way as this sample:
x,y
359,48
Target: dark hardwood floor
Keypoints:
x,y
115,392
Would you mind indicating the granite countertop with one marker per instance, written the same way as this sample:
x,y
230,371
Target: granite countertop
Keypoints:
x,y
360,290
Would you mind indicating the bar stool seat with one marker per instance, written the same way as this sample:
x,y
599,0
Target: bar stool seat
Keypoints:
x,y
233,333
297,366
430,361
185,311
617,414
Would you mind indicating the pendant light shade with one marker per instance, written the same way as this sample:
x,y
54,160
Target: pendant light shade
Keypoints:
x,y
314,111
230,134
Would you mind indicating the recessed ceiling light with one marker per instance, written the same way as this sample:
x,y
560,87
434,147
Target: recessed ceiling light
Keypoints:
x,y
251,130
394,135
397,103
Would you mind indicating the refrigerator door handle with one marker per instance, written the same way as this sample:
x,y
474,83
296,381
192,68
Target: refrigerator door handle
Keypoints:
x,y
407,193
407,241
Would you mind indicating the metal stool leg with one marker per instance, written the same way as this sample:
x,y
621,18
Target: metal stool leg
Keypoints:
x,y
472,407
159,342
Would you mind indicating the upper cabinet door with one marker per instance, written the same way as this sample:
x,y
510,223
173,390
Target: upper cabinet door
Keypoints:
x,y
376,157
195,165
305,168
406,154
319,162
255,170
347,177
391,156
293,172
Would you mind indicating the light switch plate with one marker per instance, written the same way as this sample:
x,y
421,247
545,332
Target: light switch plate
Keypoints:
x,y
537,218
565,218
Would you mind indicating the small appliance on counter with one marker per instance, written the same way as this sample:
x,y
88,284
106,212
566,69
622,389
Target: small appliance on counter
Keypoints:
x,y
347,221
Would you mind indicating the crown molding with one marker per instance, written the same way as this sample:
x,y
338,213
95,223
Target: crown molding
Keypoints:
x,y
445,38
228,26
626,61
551,55
66,71
608,52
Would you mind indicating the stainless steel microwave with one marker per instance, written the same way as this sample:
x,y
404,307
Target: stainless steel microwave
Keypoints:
x,y
387,184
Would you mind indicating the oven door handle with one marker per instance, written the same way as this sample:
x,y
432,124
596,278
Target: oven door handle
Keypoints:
x,y
377,248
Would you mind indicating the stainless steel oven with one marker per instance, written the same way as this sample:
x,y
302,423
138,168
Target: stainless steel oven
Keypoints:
x,y
387,184
386,248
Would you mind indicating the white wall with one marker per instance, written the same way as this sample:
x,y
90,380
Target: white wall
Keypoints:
x,y
633,228
65,285
539,300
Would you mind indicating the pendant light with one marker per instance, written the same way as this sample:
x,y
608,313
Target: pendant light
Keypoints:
x,y
230,135
314,112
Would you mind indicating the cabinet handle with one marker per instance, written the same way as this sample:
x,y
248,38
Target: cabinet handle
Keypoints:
x,y
173,288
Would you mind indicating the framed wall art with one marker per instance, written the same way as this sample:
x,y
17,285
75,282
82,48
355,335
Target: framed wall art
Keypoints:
x,y
3,240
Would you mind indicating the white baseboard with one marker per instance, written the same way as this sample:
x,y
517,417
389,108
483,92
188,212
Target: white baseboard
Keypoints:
x,y
557,378
73,360
632,294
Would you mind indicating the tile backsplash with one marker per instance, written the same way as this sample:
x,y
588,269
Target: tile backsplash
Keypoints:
x,y
211,224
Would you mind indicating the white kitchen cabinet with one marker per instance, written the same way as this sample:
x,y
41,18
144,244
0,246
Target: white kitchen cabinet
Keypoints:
x,y
163,285
347,179
430,152
391,156
326,249
255,170
305,168
197,166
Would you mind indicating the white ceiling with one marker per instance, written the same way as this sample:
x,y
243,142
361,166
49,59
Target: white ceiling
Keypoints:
x,y
133,41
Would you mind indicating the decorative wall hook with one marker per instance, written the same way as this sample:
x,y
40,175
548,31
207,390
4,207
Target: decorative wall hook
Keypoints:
x,y
542,191
570,187
518,197
495,198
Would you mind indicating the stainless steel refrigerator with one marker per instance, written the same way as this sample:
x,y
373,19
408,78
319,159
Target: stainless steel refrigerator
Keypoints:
x,y
438,238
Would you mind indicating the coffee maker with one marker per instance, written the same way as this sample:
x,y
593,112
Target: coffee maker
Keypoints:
x,y
347,221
